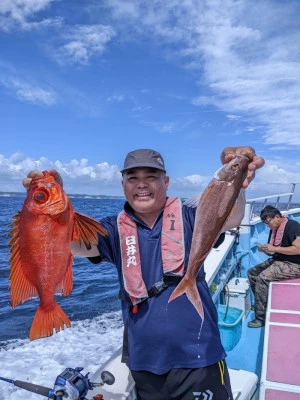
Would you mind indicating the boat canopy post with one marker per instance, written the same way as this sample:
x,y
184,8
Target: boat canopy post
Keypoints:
x,y
291,196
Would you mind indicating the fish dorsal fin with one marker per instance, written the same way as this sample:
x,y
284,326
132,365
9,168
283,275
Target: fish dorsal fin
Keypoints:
x,y
20,288
193,201
86,229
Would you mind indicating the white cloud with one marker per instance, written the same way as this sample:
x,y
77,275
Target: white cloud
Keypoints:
x,y
192,180
29,92
167,127
115,98
232,117
82,42
246,67
189,185
78,175
20,13
279,171
35,94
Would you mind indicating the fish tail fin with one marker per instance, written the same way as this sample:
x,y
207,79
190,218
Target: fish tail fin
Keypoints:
x,y
46,320
188,286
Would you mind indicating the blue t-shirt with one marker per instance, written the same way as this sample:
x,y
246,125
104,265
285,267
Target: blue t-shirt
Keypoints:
x,y
163,335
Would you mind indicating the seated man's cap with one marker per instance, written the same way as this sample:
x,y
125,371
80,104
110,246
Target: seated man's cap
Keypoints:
x,y
144,158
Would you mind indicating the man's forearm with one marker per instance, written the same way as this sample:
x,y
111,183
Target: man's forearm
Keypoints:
x,y
288,251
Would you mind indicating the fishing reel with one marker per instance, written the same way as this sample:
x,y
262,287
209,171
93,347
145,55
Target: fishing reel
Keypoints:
x,y
71,384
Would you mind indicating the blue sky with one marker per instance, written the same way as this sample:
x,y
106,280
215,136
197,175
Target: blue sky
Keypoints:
x,y
82,82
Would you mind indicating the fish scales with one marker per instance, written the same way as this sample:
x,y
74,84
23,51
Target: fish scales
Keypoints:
x,y
219,197
40,247
213,210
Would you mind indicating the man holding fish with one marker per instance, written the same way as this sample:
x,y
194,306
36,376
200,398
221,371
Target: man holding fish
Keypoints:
x,y
171,342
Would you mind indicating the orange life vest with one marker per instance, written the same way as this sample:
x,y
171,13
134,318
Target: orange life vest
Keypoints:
x,y
172,249
277,234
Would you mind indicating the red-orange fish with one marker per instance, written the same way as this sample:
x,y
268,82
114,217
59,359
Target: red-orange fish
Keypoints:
x,y
213,210
41,259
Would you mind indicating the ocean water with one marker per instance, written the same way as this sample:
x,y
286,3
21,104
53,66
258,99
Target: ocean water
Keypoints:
x,y
93,308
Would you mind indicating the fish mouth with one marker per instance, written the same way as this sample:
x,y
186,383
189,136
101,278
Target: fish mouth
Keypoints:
x,y
229,171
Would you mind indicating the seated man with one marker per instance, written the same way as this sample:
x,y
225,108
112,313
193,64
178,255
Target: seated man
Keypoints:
x,y
284,248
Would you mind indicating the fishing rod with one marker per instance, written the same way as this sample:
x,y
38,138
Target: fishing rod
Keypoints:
x,y
70,384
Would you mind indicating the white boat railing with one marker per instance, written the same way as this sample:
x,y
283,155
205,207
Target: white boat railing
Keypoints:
x,y
234,254
265,199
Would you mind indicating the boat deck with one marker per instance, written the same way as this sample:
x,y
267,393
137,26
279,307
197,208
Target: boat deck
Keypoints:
x,y
276,360
281,367
247,354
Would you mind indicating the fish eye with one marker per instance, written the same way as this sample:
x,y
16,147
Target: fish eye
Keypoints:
x,y
41,196
235,166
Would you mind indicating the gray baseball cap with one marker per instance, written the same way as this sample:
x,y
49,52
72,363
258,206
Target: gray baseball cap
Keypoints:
x,y
144,158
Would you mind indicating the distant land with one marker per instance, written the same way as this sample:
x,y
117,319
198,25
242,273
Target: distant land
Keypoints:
x,y
78,196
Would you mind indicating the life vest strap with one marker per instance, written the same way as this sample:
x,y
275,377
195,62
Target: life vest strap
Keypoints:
x,y
166,281
159,286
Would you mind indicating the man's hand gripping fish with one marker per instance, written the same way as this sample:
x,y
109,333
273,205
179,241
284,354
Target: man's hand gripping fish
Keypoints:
x,y
41,259
213,210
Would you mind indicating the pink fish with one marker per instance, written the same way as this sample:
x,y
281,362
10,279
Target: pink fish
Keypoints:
x,y
213,210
